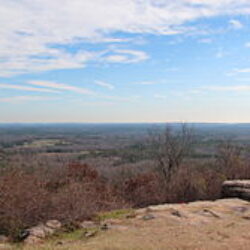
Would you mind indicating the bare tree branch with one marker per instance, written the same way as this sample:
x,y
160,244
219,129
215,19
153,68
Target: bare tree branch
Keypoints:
x,y
170,148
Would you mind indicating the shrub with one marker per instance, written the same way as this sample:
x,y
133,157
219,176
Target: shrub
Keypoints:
x,y
27,199
23,202
187,184
143,190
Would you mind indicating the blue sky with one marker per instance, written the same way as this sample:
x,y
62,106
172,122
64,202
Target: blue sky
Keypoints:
x,y
124,61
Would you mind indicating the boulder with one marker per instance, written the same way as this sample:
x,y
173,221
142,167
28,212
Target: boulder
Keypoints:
x,y
90,234
87,224
30,240
148,217
38,233
3,239
54,224
236,188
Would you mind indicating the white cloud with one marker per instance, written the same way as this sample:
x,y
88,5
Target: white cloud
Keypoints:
x,y
94,103
247,45
125,56
15,64
243,70
238,88
18,99
235,24
62,86
55,87
104,84
33,32
121,98
26,88
147,83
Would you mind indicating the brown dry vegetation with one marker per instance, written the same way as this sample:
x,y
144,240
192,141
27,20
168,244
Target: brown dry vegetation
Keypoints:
x,y
74,191
71,194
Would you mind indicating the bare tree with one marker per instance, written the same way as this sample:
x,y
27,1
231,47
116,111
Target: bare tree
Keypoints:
x,y
230,159
170,148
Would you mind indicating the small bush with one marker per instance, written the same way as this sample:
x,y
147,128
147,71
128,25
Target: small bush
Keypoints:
x,y
142,190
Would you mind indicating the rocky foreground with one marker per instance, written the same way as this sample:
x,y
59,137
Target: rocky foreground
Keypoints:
x,y
220,224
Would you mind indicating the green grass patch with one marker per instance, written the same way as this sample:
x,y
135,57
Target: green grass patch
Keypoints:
x,y
40,143
74,235
115,214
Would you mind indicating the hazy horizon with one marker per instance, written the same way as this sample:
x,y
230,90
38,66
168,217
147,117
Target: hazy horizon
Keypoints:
x,y
123,123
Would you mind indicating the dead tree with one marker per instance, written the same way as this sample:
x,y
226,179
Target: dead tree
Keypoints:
x,y
170,148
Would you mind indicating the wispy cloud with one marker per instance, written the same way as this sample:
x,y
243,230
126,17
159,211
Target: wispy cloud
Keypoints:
x,y
235,24
15,63
238,88
147,83
26,88
134,98
94,103
18,99
105,85
27,22
62,87
243,70
247,45
125,56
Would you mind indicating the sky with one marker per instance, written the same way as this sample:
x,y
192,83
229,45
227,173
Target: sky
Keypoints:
x,y
125,61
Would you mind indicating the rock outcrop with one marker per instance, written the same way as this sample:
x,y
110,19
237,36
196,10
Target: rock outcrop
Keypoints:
x,y
38,233
206,225
236,189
